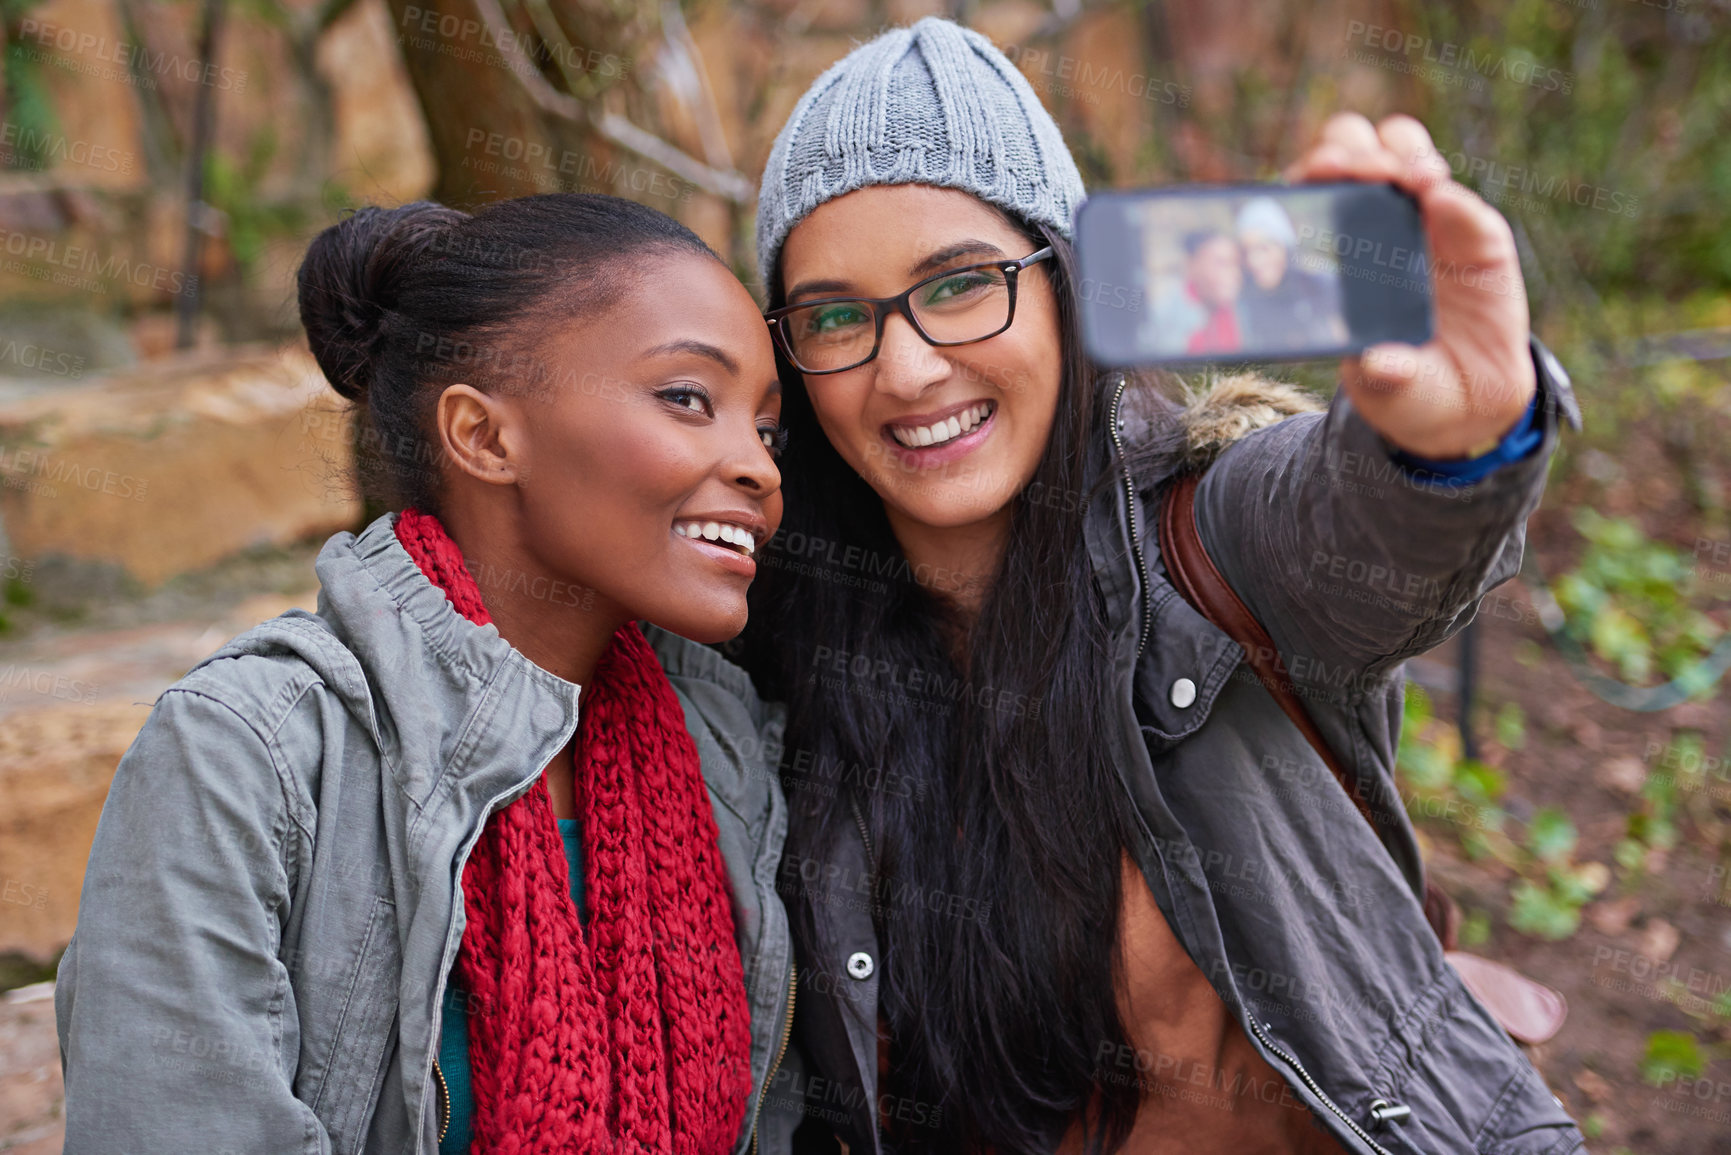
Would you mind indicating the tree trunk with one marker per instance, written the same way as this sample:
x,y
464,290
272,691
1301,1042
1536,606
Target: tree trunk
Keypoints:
x,y
489,140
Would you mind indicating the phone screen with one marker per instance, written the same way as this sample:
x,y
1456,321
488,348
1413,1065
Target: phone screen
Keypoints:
x,y
1251,273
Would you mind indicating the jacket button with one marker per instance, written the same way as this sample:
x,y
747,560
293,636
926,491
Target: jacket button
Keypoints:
x,y
1183,692
859,965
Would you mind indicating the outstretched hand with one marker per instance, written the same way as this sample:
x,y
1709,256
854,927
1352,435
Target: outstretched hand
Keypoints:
x,y
1457,394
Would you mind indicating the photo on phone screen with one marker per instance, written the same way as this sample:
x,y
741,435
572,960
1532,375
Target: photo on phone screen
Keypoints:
x,y
1251,273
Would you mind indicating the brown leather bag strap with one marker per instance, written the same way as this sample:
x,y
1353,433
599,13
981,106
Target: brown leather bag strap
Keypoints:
x,y
1194,574
1530,1011
1201,583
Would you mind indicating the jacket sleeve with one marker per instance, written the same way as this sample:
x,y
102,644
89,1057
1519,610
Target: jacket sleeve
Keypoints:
x,y
177,1022
1351,563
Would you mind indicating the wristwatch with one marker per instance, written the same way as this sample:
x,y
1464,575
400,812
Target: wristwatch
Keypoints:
x,y
1557,393
1553,399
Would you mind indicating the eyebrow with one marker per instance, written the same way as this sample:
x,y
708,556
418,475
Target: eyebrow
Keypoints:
x,y
960,249
827,288
699,349
929,264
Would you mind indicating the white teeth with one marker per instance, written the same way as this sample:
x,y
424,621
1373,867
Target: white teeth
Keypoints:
x,y
735,535
920,436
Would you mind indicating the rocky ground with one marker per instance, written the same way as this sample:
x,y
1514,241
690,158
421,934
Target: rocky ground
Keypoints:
x,y
30,1089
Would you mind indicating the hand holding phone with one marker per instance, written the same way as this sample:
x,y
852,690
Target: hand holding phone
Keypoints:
x,y
1454,394
1444,390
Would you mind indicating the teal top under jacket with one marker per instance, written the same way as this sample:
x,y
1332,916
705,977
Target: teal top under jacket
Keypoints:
x,y
454,1034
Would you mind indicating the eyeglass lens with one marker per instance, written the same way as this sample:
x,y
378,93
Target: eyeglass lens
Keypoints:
x,y
967,305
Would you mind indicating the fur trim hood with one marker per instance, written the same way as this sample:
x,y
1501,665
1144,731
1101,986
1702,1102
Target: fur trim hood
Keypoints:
x,y
1182,427
1223,409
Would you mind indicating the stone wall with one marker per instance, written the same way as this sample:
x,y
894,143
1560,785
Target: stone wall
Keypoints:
x,y
176,465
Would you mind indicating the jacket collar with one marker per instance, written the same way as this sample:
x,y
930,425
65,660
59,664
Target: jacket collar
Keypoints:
x,y
445,695
430,673
1156,637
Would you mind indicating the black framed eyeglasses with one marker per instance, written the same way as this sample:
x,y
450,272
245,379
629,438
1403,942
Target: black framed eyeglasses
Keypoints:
x,y
954,307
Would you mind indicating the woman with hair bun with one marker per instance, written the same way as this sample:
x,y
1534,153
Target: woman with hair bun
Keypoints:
x,y
468,860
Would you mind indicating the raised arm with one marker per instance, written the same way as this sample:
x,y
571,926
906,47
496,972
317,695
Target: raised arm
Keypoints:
x,y
177,1022
1351,561
1367,534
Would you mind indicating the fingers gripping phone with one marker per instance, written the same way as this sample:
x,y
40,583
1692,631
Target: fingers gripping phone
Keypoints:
x,y
1251,272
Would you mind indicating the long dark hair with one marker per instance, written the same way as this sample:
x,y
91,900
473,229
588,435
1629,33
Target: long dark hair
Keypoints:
x,y
997,817
398,303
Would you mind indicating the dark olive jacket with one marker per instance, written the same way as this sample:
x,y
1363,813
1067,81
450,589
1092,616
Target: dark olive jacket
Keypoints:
x,y
1308,925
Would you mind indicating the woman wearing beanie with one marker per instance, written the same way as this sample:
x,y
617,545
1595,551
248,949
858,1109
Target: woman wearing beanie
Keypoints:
x,y
378,879
1063,876
1284,306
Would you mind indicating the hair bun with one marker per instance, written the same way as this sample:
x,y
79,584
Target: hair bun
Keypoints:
x,y
350,280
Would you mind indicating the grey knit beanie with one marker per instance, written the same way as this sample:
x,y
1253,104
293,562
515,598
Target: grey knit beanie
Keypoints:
x,y
934,104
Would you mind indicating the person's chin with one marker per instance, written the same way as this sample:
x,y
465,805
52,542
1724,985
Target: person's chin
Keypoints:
x,y
719,620
953,504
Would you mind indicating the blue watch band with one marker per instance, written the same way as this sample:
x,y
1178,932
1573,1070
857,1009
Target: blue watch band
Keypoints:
x,y
1519,442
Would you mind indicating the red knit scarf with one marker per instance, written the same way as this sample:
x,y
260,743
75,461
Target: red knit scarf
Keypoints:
x,y
631,1033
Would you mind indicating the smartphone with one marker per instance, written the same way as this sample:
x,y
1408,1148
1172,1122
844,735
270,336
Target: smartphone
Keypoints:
x,y
1250,272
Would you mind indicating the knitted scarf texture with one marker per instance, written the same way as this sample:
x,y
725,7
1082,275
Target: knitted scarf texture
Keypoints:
x,y
630,1033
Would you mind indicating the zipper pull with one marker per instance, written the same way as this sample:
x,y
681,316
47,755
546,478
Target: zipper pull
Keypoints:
x,y
1387,1115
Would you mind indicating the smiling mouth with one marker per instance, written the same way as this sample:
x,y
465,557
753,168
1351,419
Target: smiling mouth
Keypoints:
x,y
943,432
734,537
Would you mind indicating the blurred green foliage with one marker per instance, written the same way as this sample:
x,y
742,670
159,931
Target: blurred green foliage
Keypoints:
x,y
1672,1055
1632,601
1551,887
233,186
1626,160
29,111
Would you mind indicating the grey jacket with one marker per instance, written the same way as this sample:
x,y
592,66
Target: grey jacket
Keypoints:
x,y
271,908
1309,927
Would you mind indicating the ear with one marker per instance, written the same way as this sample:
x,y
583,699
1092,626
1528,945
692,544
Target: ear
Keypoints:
x,y
482,435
